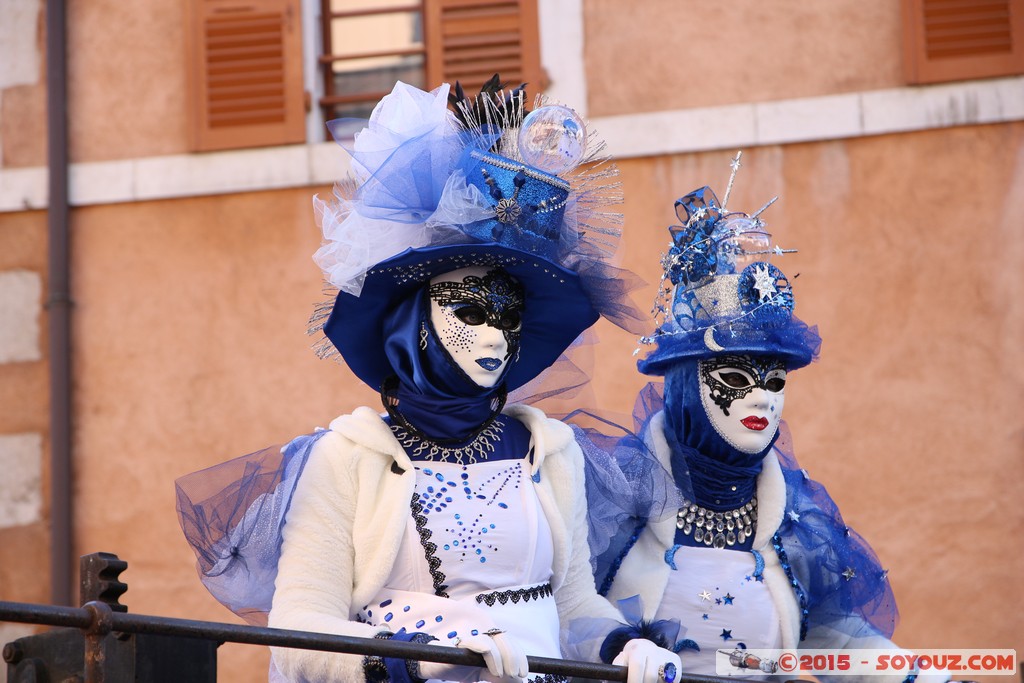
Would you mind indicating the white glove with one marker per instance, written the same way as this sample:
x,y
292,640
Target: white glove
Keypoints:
x,y
513,660
648,663
506,662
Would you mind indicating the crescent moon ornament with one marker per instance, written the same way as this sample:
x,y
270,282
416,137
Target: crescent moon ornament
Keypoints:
x,y
709,340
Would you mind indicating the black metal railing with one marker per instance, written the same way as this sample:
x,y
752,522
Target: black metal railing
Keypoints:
x,y
102,617
96,619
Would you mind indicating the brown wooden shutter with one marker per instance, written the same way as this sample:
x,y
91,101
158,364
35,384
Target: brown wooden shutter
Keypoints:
x,y
948,40
471,40
245,74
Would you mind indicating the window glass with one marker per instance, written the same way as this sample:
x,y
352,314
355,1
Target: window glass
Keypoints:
x,y
372,44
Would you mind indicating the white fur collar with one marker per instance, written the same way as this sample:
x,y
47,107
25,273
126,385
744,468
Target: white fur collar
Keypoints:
x,y
365,427
549,436
771,500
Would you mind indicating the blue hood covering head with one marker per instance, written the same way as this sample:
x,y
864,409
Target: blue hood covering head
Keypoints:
x,y
720,475
434,394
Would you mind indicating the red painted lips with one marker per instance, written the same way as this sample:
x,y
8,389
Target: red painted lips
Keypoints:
x,y
755,423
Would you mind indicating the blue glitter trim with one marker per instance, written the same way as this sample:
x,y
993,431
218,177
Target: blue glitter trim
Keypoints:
x,y
687,644
800,595
758,565
670,556
606,585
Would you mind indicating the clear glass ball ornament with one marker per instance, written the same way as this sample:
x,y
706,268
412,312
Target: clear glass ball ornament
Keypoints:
x,y
743,241
553,139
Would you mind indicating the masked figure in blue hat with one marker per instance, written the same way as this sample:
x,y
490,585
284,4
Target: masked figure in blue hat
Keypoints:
x,y
757,556
468,255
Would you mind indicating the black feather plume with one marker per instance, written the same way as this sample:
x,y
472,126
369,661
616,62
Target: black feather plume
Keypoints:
x,y
492,107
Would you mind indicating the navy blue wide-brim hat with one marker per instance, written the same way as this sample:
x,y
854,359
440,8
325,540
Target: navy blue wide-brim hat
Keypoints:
x,y
796,343
557,308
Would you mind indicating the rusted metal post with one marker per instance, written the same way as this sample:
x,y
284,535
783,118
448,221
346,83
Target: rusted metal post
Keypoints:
x,y
96,640
99,592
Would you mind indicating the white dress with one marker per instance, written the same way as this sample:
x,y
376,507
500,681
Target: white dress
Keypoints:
x,y
715,593
476,554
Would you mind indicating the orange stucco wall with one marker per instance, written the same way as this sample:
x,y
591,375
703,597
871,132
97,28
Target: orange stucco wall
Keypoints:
x,y
24,396
126,86
139,47
665,54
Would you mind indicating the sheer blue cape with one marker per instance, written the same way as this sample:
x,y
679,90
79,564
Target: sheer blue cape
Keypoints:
x,y
232,514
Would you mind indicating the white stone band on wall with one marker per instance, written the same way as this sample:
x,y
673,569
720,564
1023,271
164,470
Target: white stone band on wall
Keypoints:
x,y
810,119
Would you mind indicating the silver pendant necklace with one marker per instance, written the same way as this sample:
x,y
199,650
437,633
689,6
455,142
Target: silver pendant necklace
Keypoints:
x,y
419,446
717,529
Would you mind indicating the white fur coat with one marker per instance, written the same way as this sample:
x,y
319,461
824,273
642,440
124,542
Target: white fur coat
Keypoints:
x,y
349,514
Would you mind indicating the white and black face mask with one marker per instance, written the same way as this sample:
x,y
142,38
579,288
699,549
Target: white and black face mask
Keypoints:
x,y
477,315
743,397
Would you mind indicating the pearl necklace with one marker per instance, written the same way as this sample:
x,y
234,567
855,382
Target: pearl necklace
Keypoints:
x,y
718,529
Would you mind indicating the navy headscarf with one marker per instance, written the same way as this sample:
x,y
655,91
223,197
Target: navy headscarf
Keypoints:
x,y
434,394
713,465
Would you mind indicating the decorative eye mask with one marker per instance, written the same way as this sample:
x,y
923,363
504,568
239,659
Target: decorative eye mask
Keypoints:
x,y
742,375
495,299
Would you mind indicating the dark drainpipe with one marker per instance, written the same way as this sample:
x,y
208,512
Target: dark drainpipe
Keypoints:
x,y
58,305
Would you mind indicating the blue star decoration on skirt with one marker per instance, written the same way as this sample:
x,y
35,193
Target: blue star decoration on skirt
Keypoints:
x,y
726,634
729,598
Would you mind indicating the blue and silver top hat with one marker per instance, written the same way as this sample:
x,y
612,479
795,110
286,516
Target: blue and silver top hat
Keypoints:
x,y
487,184
720,294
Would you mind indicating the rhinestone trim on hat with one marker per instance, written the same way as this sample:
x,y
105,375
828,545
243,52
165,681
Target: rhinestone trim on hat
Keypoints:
x,y
522,168
421,272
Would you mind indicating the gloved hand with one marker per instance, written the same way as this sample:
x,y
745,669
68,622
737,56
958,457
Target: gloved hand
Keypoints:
x,y
513,660
648,663
506,662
